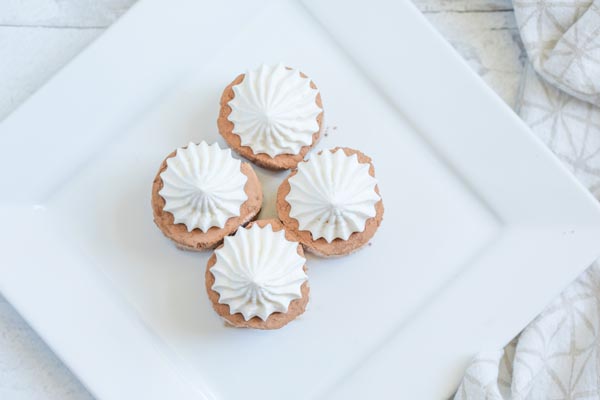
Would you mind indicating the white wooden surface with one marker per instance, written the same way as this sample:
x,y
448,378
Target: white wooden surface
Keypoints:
x,y
38,37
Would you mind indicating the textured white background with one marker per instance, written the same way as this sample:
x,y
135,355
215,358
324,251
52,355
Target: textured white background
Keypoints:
x,y
38,37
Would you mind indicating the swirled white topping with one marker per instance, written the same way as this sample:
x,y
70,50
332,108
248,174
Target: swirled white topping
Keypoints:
x,y
203,186
258,272
274,110
332,195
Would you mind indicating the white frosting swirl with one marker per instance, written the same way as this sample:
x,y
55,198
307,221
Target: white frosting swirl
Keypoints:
x,y
274,110
203,186
258,272
332,195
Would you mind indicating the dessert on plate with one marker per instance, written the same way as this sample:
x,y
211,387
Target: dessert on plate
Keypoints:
x,y
271,115
257,277
202,194
331,202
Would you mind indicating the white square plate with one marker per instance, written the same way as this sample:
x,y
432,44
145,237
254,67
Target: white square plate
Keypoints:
x,y
482,224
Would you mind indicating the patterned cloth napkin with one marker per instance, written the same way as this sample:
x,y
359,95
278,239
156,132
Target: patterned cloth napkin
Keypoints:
x,y
558,355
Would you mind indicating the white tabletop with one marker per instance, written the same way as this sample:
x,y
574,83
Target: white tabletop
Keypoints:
x,y
38,37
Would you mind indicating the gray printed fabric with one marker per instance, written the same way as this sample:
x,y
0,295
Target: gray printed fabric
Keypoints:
x,y
557,356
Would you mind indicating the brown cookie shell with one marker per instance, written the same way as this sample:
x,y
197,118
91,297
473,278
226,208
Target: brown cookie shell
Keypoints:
x,y
337,247
196,240
280,162
275,320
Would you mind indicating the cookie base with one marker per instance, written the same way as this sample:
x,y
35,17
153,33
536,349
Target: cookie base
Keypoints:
x,y
280,162
197,240
275,320
338,247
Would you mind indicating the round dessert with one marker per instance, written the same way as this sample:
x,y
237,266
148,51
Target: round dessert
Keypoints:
x,y
331,203
202,194
257,278
272,116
